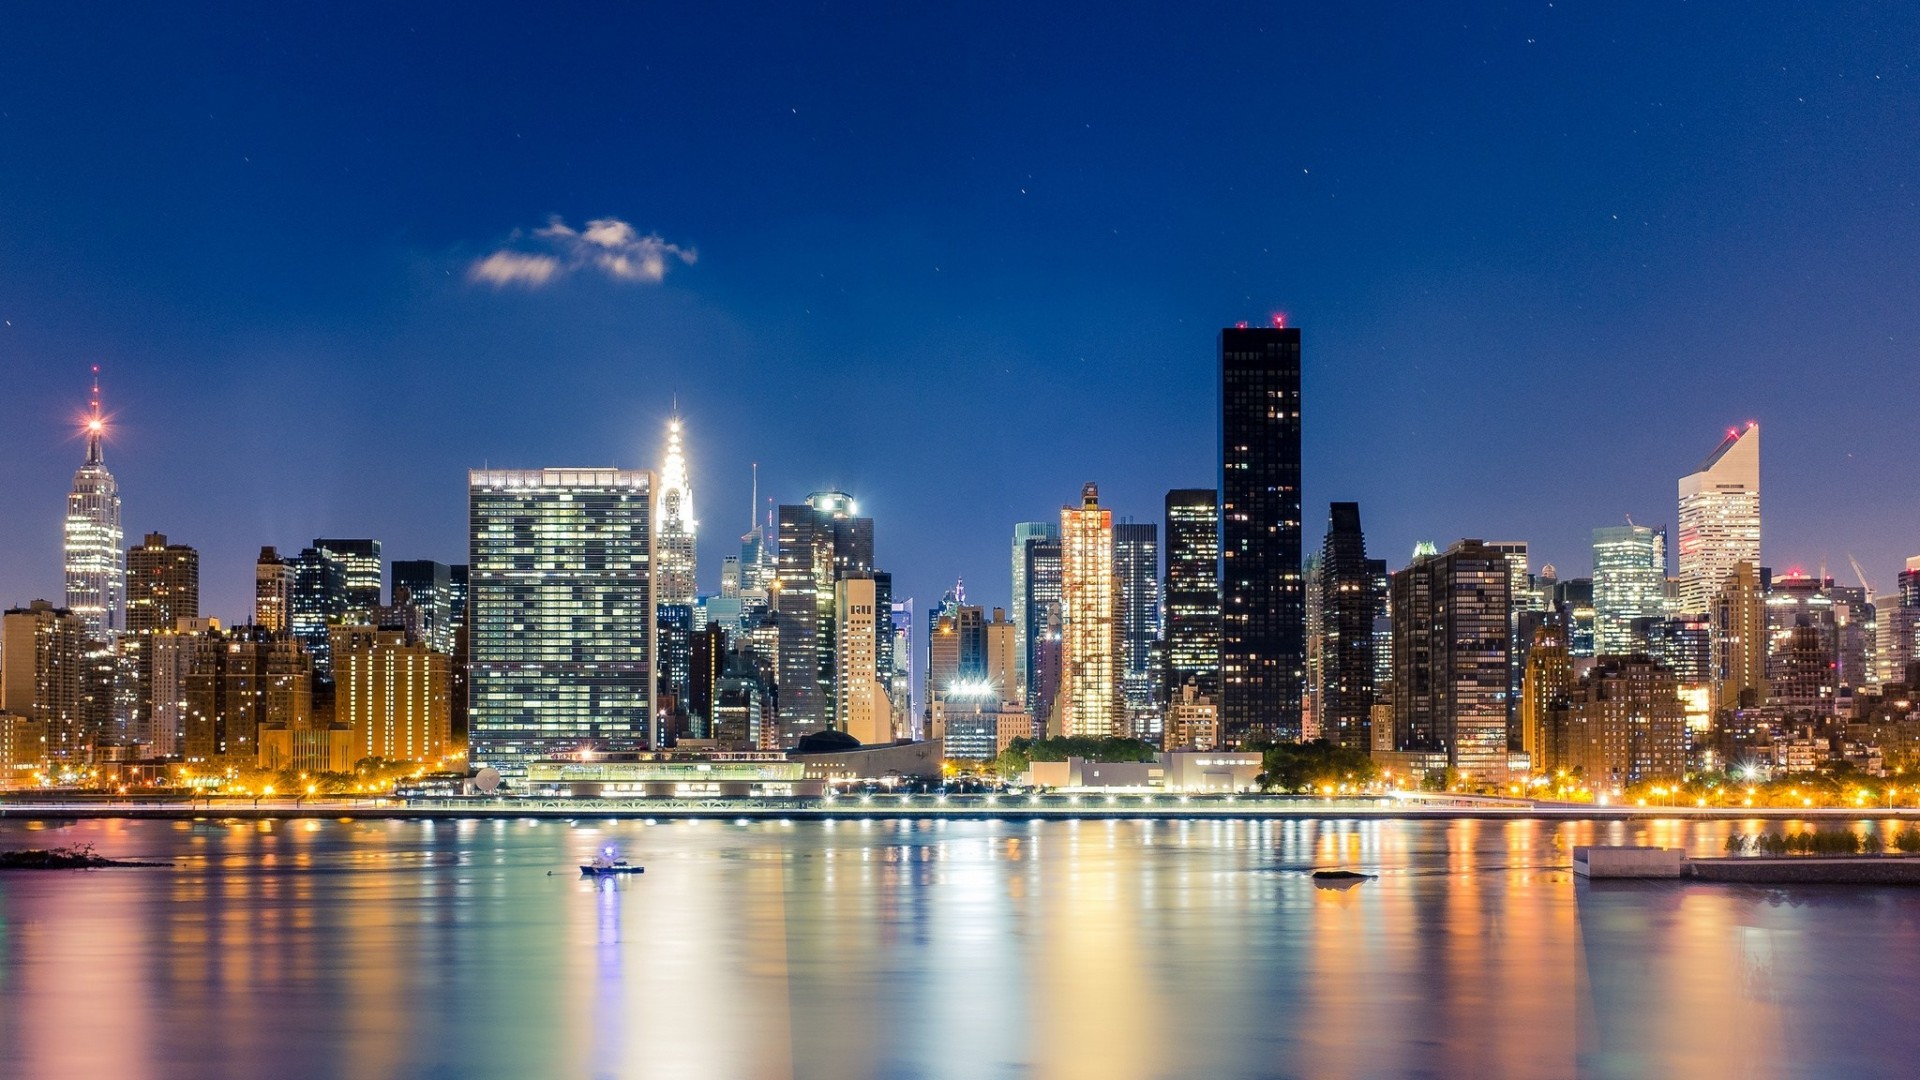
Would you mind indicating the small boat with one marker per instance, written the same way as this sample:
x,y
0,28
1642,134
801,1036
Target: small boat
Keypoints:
x,y
607,864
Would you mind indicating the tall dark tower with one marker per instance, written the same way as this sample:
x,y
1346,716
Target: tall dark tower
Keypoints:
x,y
1263,640
1350,596
1193,590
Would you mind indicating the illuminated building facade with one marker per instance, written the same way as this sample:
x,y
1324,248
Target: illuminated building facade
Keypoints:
x,y
362,573
1089,604
238,682
1192,590
163,587
1136,566
674,550
273,579
900,681
1719,521
1897,619
1629,583
43,654
1043,618
560,613
1451,660
1262,596
1024,533
427,586
95,561
1625,724
1544,691
1193,720
392,692
1739,628
821,541
862,708
319,603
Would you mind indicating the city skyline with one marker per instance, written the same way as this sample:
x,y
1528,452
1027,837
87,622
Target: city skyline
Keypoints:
x,y
1605,268
96,428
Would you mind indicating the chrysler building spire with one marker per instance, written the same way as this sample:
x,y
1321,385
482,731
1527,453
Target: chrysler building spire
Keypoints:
x,y
674,531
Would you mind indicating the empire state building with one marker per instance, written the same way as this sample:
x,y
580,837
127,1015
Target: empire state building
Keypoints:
x,y
95,555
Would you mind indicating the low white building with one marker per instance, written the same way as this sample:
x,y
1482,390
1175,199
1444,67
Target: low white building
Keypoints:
x,y
1181,771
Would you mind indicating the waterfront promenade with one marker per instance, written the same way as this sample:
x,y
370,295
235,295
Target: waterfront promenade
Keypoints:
x,y
1051,807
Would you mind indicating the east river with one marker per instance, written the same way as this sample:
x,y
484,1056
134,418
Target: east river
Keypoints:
x,y
1057,949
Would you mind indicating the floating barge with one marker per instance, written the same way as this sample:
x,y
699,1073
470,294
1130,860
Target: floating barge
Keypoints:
x,y
1626,863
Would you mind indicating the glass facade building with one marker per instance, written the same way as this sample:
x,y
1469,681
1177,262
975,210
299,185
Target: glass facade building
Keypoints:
x,y
1629,585
1349,603
1023,629
821,541
428,586
1192,590
1719,518
362,574
559,612
1263,647
1136,565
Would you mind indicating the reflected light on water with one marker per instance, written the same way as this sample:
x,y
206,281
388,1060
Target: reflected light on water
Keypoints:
x,y
1119,950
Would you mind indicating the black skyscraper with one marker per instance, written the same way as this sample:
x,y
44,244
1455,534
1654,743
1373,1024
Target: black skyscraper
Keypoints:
x,y
1263,647
1350,597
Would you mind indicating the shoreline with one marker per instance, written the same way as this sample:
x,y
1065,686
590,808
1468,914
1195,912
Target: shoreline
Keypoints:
x,y
892,808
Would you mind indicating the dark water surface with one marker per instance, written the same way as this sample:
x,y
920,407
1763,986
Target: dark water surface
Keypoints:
x,y
1111,950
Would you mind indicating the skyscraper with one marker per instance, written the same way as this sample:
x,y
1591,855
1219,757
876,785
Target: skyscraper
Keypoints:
x,y
1349,602
163,587
1193,590
560,612
1629,583
273,579
1136,565
1043,610
1719,518
319,602
1898,619
43,652
362,575
1263,603
1451,657
1090,661
1543,700
861,706
428,586
675,556
821,540
95,563
1739,632
1024,532
900,679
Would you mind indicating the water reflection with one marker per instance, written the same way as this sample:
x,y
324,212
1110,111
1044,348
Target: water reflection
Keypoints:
x,y
1055,950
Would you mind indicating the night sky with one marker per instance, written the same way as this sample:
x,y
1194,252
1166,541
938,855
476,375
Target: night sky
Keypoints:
x,y
957,262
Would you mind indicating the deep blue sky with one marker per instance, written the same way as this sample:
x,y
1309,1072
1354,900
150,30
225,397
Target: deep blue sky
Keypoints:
x,y
959,261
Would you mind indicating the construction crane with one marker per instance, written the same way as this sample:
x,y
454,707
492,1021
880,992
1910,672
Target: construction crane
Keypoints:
x,y
1862,575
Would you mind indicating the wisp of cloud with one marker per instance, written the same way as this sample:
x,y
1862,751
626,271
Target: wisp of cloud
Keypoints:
x,y
607,245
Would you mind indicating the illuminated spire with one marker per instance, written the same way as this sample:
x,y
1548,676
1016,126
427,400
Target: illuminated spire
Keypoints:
x,y
96,422
95,561
675,528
